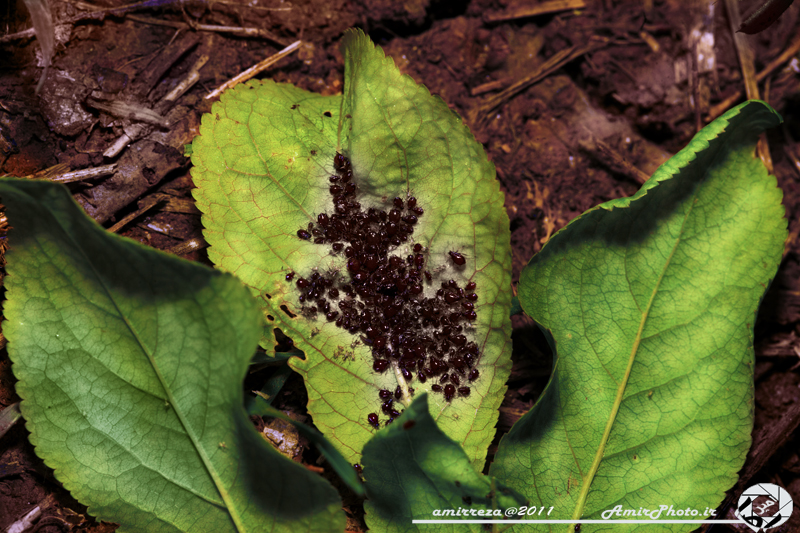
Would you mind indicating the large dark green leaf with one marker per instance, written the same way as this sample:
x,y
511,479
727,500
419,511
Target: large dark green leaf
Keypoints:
x,y
651,302
130,365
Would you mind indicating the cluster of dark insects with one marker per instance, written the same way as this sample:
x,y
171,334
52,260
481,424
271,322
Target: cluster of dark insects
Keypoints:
x,y
382,298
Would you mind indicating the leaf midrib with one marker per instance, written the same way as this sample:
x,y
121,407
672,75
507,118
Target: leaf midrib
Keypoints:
x,y
599,455
173,403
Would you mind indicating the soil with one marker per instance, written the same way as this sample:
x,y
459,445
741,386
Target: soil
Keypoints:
x,y
639,79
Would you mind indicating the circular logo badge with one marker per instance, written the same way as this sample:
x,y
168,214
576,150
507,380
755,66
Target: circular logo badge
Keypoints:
x,y
764,506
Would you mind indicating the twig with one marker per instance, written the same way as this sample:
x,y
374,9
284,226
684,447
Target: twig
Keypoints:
x,y
746,62
147,203
612,159
773,65
792,157
190,79
84,174
543,8
26,522
650,41
10,414
488,87
743,50
121,109
188,246
554,63
124,140
24,34
695,75
252,71
236,30
134,131
49,172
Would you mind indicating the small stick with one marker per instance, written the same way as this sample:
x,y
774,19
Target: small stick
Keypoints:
x,y
136,130
743,50
746,62
543,8
147,204
695,73
236,30
188,246
787,54
650,41
252,71
84,174
793,157
24,34
555,62
612,159
132,112
488,87
189,80
26,523
49,172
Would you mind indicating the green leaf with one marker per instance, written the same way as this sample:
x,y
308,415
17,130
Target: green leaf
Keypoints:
x,y
413,470
261,165
130,365
267,394
651,302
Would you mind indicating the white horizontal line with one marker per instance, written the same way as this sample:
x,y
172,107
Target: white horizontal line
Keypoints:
x,y
578,522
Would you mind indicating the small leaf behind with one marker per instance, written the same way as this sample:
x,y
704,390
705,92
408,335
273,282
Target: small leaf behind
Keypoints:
x,y
651,302
412,469
130,365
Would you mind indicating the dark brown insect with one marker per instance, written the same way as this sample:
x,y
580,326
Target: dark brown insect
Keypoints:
x,y
457,258
380,297
340,162
449,392
409,424
372,418
290,276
